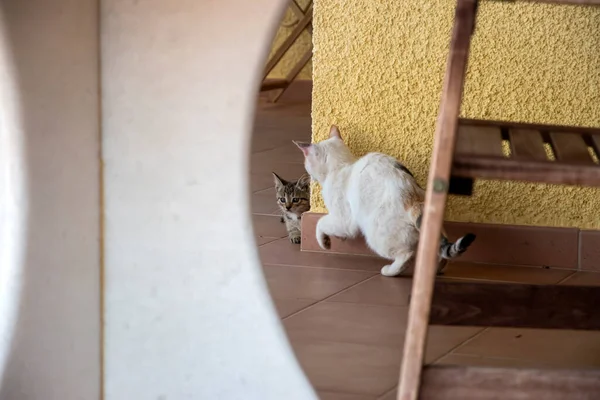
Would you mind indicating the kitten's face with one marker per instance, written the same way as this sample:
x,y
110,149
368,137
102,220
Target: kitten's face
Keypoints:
x,y
293,197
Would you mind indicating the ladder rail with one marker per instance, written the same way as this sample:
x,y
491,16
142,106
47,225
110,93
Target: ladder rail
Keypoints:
x,y
435,201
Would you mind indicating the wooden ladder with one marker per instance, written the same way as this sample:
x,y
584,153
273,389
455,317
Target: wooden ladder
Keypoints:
x,y
279,86
464,150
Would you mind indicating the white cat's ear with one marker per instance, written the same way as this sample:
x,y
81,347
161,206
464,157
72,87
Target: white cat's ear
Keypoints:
x,y
278,180
304,181
334,132
305,147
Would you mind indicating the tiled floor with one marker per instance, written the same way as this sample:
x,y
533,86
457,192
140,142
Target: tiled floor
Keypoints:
x,y
346,322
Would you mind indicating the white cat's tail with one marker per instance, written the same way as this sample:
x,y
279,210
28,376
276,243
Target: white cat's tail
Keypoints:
x,y
448,250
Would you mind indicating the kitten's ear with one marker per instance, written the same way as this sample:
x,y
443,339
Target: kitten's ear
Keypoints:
x,y
305,147
278,180
334,132
304,181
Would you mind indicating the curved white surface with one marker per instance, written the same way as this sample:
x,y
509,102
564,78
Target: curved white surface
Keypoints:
x,y
187,312
50,193
13,201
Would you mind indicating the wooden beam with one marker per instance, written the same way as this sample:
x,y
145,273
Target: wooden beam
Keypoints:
x,y
296,9
476,383
479,140
435,200
566,2
294,73
524,170
570,148
299,12
273,84
536,127
289,41
527,144
595,143
516,305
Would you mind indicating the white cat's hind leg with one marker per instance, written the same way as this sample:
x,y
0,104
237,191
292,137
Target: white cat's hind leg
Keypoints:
x,y
330,225
325,226
398,266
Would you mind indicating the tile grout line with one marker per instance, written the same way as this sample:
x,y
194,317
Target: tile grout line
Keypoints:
x,y
565,278
468,340
266,214
316,267
330,296
500,358
384,394
260,245
579,250
443,278
334,253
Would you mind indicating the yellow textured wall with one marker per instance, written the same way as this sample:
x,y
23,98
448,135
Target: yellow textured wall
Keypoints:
x,y
377,73
296,51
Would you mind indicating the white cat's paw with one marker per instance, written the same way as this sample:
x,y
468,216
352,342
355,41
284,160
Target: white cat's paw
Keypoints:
x,y
390,270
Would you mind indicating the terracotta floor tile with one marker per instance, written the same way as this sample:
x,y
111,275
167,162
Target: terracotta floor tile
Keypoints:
x,y
583,278
288,104
268,136
349,367
286,307
391,395
284,116
287,170
287,153
370,325
262,142
343,396
282,252
478,361
260,181
554,247
266,226
554,348
303,283
288,126
589,252
264,240
264,202
505,273
380,290
352,323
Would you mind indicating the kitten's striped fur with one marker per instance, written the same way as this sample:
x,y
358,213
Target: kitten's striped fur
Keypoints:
x,y
293,199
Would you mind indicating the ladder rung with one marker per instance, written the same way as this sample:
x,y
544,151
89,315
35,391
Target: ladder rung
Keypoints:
x,y
476,383
567,2
516,305
574,160
273,84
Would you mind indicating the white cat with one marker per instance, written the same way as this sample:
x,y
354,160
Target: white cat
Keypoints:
x,y
374,195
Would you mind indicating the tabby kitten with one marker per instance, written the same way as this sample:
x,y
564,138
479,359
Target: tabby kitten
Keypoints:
x,y
293,200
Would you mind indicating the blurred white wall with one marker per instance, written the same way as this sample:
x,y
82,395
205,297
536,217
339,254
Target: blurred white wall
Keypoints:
x,y
163,91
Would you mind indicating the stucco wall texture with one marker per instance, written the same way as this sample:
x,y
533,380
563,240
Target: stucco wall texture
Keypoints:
x,y
378,69
296,51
